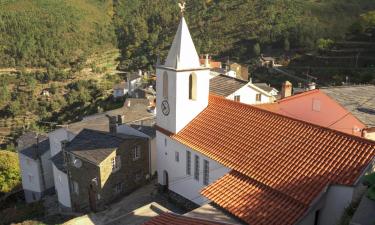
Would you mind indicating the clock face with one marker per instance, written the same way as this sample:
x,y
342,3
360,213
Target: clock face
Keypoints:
x,y
165,107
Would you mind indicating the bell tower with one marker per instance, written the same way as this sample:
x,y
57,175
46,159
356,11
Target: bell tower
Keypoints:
x,y
182,85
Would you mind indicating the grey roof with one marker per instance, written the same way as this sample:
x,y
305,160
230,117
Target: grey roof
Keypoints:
x,y
225,85
219,70
146,129
95,146
33,145
58,161
265,87
359,100
136,111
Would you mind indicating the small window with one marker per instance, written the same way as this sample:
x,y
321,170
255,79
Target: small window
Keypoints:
x,y
188,163
196,168
237,98
316,105
177,156
116,163
206,171
165,142
258,97
31,178
137,152
118,188
193,86
165,85
75,187
59,178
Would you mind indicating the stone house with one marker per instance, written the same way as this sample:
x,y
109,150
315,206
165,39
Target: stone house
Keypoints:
x,y
241,71
102,166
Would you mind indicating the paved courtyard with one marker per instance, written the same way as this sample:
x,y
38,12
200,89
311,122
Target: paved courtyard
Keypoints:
x,y
135,208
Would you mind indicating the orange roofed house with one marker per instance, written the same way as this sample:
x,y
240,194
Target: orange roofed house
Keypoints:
x,y
349,109
258,166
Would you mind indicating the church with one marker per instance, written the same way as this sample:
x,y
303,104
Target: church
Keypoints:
x,y
258,166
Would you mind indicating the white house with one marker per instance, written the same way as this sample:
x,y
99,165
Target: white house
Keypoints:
x,y
242,91
259,166
36,170
120,90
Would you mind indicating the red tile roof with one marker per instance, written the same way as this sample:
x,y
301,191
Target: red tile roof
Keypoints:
x,y
174,219
293,157
252,201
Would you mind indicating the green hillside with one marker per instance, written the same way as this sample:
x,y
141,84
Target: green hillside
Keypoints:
x,y
231,28
39,33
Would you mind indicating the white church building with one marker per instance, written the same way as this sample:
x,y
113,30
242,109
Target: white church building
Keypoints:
x,y
260,167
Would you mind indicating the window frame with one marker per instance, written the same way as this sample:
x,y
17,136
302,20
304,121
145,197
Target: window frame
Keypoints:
x,y
237,98
137,152
206,172
177,156
258,97
116,163
196,167
188,163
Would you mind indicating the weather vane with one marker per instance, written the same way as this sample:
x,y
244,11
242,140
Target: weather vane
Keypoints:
x,y
182,7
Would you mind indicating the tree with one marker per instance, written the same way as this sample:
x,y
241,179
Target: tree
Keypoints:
x,y
324,44
9,171
256,49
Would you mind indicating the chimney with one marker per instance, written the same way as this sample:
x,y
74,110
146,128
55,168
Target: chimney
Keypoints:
x,y
286,89
207,61
112,124
312,86
120,119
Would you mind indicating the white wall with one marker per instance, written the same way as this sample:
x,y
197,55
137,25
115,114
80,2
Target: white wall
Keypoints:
x,y
47,169
331,206
178,98
62,187
248,96
30,167
179,181
55,138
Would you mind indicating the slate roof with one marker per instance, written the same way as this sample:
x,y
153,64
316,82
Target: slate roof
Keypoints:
x,y
288,156
136,111
28,144
265,87
223,85
171,218
359,100
58,161
95,146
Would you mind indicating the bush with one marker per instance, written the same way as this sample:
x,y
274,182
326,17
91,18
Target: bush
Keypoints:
x,y
324,44
9,171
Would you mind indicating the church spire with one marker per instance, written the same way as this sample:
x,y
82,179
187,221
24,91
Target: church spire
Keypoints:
x,y
182,54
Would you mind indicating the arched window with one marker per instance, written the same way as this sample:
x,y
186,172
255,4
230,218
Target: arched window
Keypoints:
x,y
193,86
165,85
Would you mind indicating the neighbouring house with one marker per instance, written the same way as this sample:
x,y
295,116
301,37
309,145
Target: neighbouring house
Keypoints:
x,y
120,90
103,166
258,166
242,91
134,81
267,62
134,111
241,71
346,109
208,62
36,170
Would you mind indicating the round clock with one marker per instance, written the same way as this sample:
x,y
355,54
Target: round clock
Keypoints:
x,y
165,107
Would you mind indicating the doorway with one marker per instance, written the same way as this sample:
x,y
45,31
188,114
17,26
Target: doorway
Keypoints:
x,y
165,181
92,198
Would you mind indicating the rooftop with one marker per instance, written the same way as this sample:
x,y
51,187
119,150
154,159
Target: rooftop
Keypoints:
x,y
223,85
95,146
135,112
265,87
58,161
359,100
175,219
33,145
276,154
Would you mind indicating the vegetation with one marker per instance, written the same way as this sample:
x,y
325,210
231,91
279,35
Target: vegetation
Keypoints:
x,y
57,33
232,28
370,182
9,171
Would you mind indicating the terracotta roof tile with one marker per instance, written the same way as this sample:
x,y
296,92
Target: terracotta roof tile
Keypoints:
x,y
295,158
252,201
171,218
